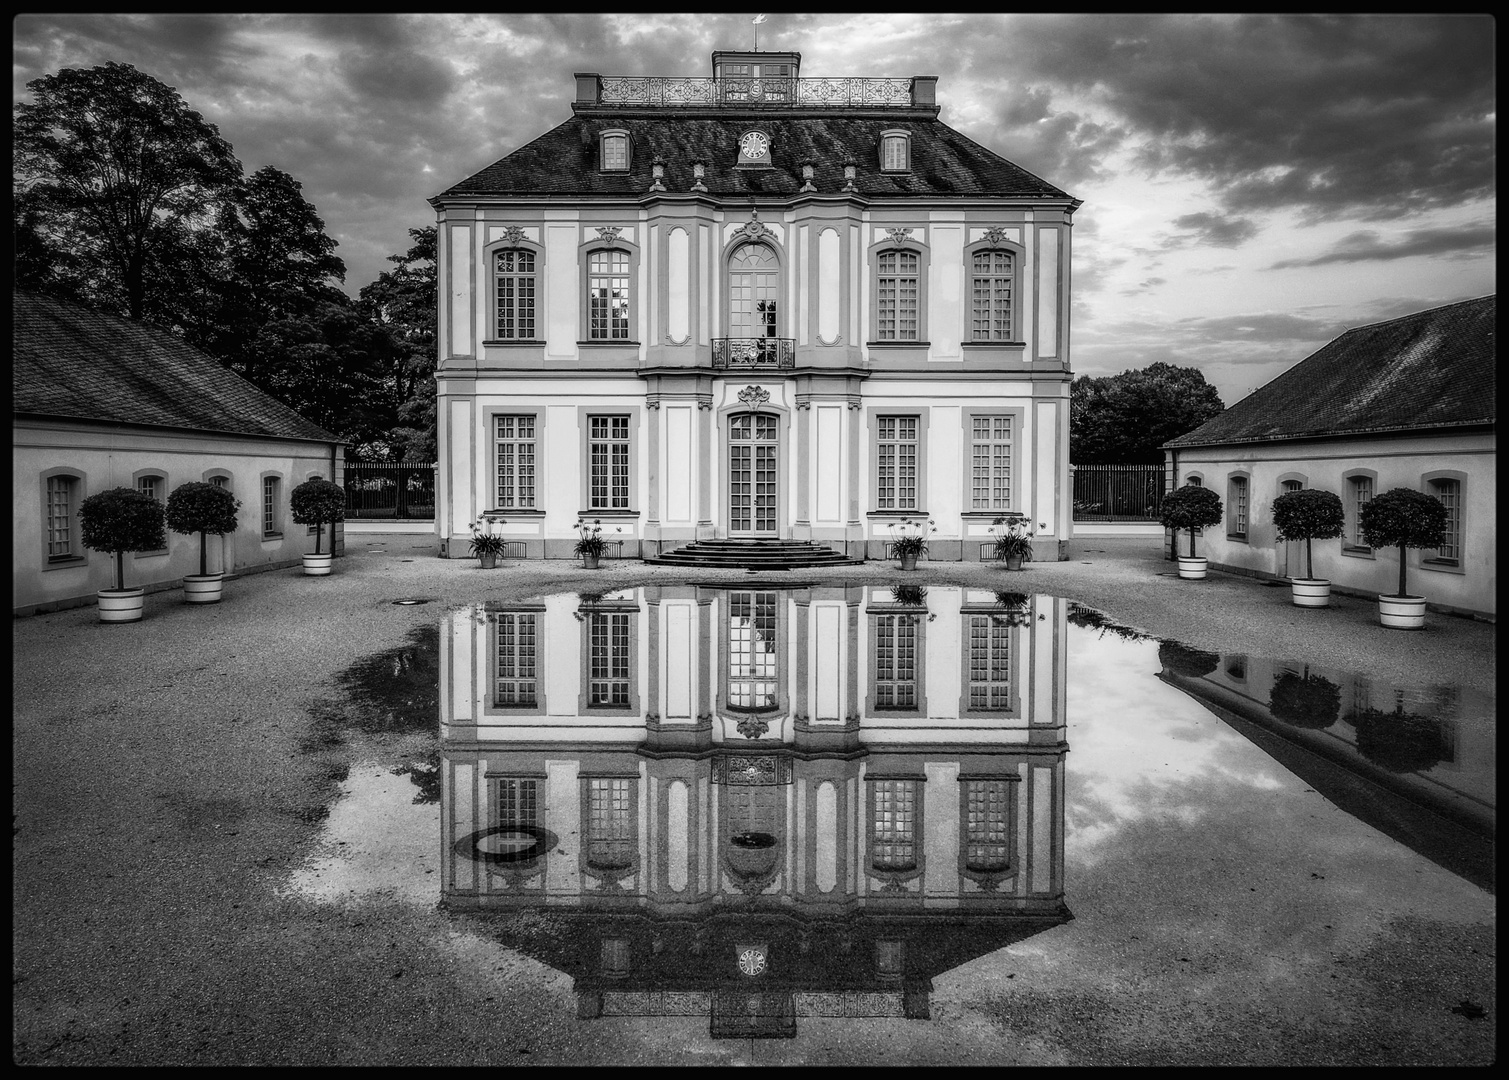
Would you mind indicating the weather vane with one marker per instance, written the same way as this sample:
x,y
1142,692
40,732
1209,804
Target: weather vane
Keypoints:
x,y
758,19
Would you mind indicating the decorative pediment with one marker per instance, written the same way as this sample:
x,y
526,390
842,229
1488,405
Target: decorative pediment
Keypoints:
x,y
754,396
996,235
899,236
609,234
754,229
512,234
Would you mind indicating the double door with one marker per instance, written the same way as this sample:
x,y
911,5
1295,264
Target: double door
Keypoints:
x,y
753,475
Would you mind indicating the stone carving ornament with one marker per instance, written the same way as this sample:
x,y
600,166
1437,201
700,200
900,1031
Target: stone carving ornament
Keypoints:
x,y
609,234
754,396
899,236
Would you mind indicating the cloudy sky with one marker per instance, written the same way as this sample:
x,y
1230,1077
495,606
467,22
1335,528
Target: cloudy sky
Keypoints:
x,y
1252,186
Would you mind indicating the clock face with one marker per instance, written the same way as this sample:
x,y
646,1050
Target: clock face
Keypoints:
x,y
752,962
753,145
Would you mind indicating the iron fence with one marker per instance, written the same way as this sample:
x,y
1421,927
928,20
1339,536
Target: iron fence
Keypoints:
x,y
1117,492
754,352
403,491
634,90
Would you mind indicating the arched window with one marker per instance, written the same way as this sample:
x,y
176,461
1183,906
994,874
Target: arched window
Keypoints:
x,y
992,289
608,295
615,151
515,288
895,152
899,294
754,288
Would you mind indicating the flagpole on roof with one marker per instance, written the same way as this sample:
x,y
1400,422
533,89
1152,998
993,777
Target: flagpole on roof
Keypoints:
x,y
758,19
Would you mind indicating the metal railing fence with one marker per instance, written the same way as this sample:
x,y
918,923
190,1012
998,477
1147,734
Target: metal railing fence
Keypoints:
x,y
1118,492
403,491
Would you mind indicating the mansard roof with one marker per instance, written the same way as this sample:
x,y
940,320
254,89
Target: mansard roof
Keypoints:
x,y
564,161
74,363
1429,370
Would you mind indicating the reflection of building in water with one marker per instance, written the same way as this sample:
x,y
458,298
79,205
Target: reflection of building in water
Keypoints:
x,y
758,803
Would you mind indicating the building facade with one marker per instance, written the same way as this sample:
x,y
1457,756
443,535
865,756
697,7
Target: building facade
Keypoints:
x,y
753,306
102,402
1407,403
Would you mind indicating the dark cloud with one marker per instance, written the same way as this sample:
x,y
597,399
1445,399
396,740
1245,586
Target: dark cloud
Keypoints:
x,y
1212,230
1368,246
1145,286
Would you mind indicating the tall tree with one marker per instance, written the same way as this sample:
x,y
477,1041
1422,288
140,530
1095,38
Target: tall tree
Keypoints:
x,y
1126,418
116,170
402,302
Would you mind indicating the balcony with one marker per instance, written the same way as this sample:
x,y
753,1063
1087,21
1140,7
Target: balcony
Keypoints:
x,y
743,353
610,92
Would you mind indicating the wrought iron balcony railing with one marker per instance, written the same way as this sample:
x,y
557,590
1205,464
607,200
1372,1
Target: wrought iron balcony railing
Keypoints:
x,y
654,91
754,352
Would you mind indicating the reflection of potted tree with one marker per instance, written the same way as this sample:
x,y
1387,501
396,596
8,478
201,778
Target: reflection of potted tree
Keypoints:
x,y
1180,659
1399,741
197,507
117,521
909,540
1309,514
318,502
1305,701
1013,537
1404,519
1016,607
1191,508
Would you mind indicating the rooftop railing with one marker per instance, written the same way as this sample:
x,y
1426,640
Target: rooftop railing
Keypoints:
x,y
634,91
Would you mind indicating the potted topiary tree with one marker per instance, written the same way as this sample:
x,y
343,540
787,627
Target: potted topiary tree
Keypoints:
x,y
121,520
318,502
1191,508
1403,518
205,509
1309,514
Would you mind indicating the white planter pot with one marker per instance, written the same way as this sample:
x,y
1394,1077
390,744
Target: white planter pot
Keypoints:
x,y
120,605
1402,612
318,564
1192,569
1310,592
202,588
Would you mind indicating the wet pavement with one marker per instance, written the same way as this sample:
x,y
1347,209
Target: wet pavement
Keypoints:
x,y
834,824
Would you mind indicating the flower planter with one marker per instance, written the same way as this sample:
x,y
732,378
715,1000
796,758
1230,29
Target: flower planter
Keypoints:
x,y
1402,612
1192,569
202,588
316,565
908,561
1013,562
590,561
1310,592
488,559
120,605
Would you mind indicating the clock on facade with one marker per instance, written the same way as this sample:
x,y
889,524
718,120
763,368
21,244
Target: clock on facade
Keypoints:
x,y
754,145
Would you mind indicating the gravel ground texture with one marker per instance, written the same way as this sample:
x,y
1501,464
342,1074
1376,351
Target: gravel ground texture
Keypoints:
x,y
171,777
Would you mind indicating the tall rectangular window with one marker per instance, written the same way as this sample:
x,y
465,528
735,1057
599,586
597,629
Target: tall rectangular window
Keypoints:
x,y
269,506
896,661
987,846
516,679
514,279
1238,506
60,508
992,280
896,281
1450,494
150,486
989,662
608,296
514,447
894,829
610,826
990,463
753,662
608,463
1359,494
893,153
896,463
615,153
608,670
518,802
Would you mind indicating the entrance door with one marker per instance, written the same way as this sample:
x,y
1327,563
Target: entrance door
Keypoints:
x,y
753,468
1291,553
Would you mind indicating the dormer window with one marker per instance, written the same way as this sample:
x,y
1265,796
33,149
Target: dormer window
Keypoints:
x,y
895,152
615,151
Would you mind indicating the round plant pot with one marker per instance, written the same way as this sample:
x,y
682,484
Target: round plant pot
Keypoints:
x,y
1310,592
488,559
202,588
590,561
1013,562
908,561
1402,612
318,565
1192,569
120,605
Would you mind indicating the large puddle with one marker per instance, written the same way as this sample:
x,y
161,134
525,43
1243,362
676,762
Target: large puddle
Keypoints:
x,y
759,805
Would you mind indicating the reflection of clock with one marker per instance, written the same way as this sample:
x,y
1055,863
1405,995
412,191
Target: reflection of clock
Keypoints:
x,y
751,962
753,144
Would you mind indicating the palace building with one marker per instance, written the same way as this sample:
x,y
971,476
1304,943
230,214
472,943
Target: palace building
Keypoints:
x,y
753,307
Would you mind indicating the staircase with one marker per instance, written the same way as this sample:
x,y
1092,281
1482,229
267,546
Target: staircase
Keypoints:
x,y
752,555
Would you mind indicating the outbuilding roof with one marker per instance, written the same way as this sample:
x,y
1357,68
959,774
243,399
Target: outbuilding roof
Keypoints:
x,y
75,363
564,161
1432,369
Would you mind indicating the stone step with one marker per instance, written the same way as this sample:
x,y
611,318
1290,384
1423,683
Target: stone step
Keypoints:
x,y
753,555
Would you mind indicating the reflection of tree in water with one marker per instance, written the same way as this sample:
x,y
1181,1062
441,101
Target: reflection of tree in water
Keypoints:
x,y
426,777
1079,615
396,691
1400,741
1183,660
909,595
1014,605
1306,701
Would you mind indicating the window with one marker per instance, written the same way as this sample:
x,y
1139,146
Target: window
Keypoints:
x,y
752,658
1195,481
514,446
608,463
894,839
987,842
615,146
894,156
989,662
514,277
898,307
990,463
221,481
608,672
895,661
1236,508
896,462
610,828
518,802
62,506
1449,491
270,507
608,296
515,681
152,485
993,279
1359,494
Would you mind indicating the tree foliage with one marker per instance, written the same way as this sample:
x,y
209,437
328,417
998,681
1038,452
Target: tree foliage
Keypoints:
x,y
1124,419
119,520
1305,701
198,507
402,303
317,502
1308,514
1191,508
1403,518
